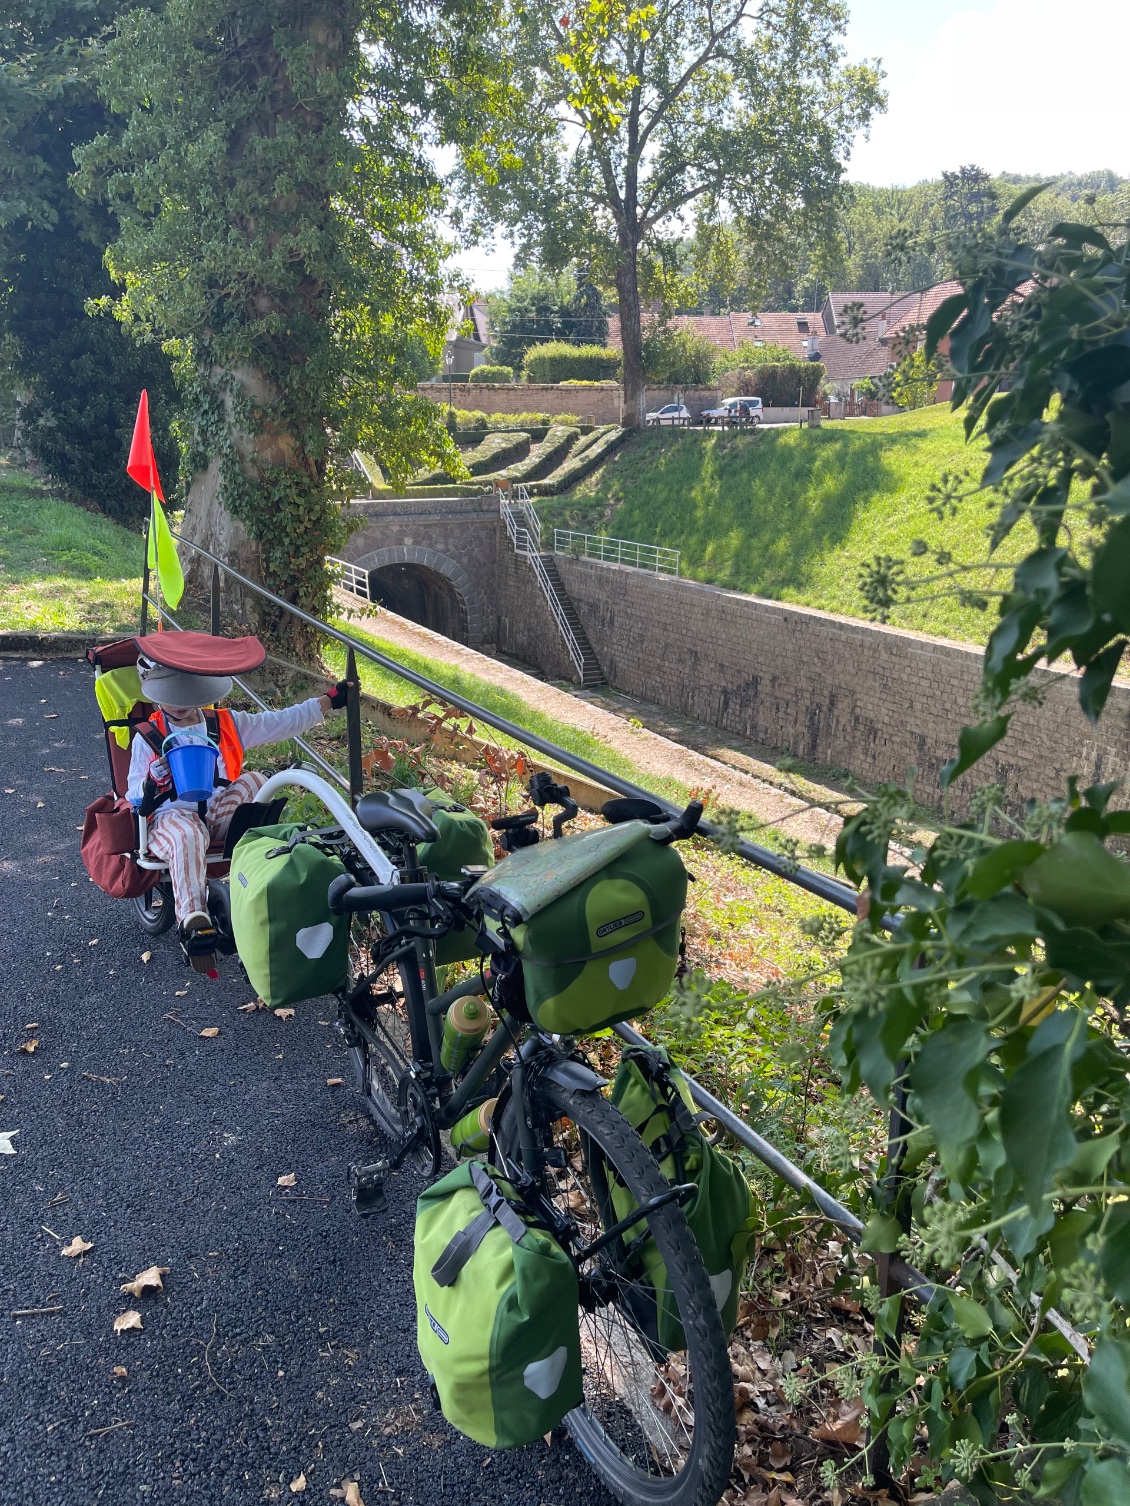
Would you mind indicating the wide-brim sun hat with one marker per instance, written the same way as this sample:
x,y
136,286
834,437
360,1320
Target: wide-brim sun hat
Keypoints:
x,y
165,686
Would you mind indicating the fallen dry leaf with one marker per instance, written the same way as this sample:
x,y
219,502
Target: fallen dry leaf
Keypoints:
x,y
29,1046
77,1246
842,1425
284,1014
289,1180
298,1484
130,1319
250,1008
180,993
32,1025
119,1372
335,1082
210,1032
147,956
145,1281
350,1492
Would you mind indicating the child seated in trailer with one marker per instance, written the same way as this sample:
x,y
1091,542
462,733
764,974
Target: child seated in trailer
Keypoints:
x,y
181,831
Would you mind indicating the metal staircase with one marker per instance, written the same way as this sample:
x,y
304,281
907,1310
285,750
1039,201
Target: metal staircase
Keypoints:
x,y
523,527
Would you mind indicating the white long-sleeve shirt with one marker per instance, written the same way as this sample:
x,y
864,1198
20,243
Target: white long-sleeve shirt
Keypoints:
x,y
255,729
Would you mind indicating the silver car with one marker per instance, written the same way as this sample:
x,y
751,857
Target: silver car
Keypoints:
x,y
670,413
733,410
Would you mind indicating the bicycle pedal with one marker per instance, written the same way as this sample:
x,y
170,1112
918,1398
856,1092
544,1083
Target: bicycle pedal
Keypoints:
x,y
367,1184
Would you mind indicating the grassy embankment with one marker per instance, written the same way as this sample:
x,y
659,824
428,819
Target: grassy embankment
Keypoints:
x,y
791,514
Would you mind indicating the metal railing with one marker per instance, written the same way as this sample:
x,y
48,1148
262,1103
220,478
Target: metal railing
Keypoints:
x,y
624,552
350,577
523,528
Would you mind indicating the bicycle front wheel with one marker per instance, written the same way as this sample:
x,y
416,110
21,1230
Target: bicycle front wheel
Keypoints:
x,y
657,1426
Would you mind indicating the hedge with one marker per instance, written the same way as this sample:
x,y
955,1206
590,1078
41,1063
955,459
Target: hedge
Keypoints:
x,y
492,374
600,445
779,385
560,439
473,419
558,361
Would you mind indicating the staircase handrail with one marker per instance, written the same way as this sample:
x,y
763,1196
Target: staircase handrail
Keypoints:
x,y
626,553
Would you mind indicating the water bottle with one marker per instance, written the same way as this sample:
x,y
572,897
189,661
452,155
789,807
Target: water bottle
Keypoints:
x,y
464,1028
472,1133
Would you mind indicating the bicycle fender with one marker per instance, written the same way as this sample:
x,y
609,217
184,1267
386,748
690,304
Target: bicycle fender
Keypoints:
x,y
569,1073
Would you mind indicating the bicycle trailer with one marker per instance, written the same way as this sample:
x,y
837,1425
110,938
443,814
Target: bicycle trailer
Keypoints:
x,y
595,920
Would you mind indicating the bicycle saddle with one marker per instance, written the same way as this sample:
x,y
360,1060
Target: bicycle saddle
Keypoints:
x,y
406,811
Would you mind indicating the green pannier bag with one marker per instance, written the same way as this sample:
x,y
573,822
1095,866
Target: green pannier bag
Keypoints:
x,y
654,1098
464,842
496,1310
289,943
599,932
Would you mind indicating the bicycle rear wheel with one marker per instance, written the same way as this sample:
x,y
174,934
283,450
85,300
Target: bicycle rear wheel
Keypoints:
x,y
657,1427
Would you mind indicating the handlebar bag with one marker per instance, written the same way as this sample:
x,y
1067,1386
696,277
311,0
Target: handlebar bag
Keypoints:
x,y
290,944
464,842
654,1098
496,1310
599,933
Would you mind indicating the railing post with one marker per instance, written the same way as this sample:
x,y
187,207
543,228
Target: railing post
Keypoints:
x,y
214,594
896,1201
353,727
145,579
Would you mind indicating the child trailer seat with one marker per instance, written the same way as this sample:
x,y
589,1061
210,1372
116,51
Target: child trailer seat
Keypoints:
x,y
114,838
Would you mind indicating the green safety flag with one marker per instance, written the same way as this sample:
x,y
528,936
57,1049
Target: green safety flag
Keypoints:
x,y
142,466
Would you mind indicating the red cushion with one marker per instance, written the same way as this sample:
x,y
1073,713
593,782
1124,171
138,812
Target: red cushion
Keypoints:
x,y
201,654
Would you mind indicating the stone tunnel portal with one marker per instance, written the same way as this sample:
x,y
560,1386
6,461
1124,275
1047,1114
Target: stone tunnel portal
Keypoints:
x,y
426,587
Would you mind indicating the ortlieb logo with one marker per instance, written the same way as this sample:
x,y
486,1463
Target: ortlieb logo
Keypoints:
x,y
437,1328
618,925
241,879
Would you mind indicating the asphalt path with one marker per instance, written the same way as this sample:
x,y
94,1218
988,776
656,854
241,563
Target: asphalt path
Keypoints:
x,y
283,1343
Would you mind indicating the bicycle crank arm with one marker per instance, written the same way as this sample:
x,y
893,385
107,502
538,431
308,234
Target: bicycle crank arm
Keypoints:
x,y
681,1194
367,1184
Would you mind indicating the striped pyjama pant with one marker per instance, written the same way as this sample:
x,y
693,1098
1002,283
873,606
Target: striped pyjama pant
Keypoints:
x,y
182,840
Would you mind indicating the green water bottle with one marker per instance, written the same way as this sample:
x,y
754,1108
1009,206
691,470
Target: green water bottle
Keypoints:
x,y
464,1027
472,1133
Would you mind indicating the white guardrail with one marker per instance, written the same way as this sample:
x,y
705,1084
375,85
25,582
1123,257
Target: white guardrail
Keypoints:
x,y
350,577
626,552
523,528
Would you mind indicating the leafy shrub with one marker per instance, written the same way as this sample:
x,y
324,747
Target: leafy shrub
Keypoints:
x,y
578,382
915,383
558,362
492,374
496,450
677,357
750,354
779,385
600,444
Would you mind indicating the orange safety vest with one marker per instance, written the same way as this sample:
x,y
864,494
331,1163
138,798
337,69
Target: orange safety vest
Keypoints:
x,y
224,732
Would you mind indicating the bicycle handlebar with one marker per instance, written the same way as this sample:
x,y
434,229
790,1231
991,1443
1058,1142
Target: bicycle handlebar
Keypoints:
x,y
345,895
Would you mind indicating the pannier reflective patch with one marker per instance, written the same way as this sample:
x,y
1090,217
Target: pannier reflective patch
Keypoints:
x,y
618,925
438,1329
312,941
543,1377
242,879
622,971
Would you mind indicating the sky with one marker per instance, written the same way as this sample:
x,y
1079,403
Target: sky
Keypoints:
x,y
1009,85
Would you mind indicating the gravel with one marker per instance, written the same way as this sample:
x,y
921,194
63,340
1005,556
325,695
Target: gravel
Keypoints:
x,y
283,1342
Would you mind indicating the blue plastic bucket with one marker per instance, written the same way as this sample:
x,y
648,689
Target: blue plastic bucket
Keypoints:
x,y
192,763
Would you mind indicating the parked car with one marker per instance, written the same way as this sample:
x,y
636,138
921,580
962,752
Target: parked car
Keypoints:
x,y
670,413
734,410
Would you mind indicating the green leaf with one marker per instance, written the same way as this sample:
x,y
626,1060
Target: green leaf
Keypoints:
x,y
1110,575
881,1234
1056,1473
940,1079
973,743
943,318
1090,1159
961,1363
1033,1116
1106,1483
1114,1256
1106,1387
1080,880
1094,686
970,1317
990,922
1021,202
998,867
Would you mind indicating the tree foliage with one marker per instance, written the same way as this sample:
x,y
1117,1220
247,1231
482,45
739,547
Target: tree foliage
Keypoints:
x,y
985,994
540,306
276,209
77,377
638,118
677,357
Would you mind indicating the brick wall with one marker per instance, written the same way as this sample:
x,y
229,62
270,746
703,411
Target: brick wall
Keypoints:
x,y
846,694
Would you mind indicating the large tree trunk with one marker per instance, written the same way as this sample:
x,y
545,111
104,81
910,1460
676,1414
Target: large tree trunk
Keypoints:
x,y
631,334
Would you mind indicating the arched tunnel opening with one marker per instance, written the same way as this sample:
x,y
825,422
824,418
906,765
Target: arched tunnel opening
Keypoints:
x,y
422,595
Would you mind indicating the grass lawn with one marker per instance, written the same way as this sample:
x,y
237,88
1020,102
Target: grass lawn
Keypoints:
x,y
63,569
790,514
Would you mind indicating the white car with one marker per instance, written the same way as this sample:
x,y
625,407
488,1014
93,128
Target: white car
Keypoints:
x,y
733,410
670,413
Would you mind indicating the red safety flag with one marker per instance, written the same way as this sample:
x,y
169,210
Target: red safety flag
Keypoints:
x,y
142,466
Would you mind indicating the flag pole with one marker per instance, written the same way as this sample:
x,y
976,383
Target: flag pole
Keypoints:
x,y
145,578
